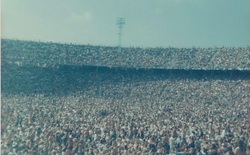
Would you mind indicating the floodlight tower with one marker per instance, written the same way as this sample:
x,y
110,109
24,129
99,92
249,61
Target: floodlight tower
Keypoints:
x,y
120,22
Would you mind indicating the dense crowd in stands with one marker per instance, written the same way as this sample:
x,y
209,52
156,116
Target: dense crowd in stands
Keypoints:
x,y
124,112
65,110
52,54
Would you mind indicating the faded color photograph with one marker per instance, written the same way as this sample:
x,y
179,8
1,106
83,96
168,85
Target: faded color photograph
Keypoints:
x,y
116,77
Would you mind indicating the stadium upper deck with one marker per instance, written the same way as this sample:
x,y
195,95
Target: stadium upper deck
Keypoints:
x,y
30,53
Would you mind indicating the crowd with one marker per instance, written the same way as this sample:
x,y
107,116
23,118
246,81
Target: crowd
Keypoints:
x,y
133,112
52,54
49,107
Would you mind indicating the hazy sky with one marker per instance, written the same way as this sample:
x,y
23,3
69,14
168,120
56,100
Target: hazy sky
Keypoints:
x,y
149,23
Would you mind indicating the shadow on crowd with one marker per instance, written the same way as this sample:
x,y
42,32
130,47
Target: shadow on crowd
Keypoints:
x,y
62,80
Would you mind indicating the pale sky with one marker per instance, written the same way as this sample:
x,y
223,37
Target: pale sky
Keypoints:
x,y
149,23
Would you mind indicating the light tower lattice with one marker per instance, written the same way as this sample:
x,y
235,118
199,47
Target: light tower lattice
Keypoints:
x,y
120,22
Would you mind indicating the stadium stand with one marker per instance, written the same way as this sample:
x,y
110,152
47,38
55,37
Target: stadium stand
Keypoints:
x,y
83,99
54,54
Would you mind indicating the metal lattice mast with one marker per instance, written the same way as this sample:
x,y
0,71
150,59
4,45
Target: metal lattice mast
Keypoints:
x,y
120,22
